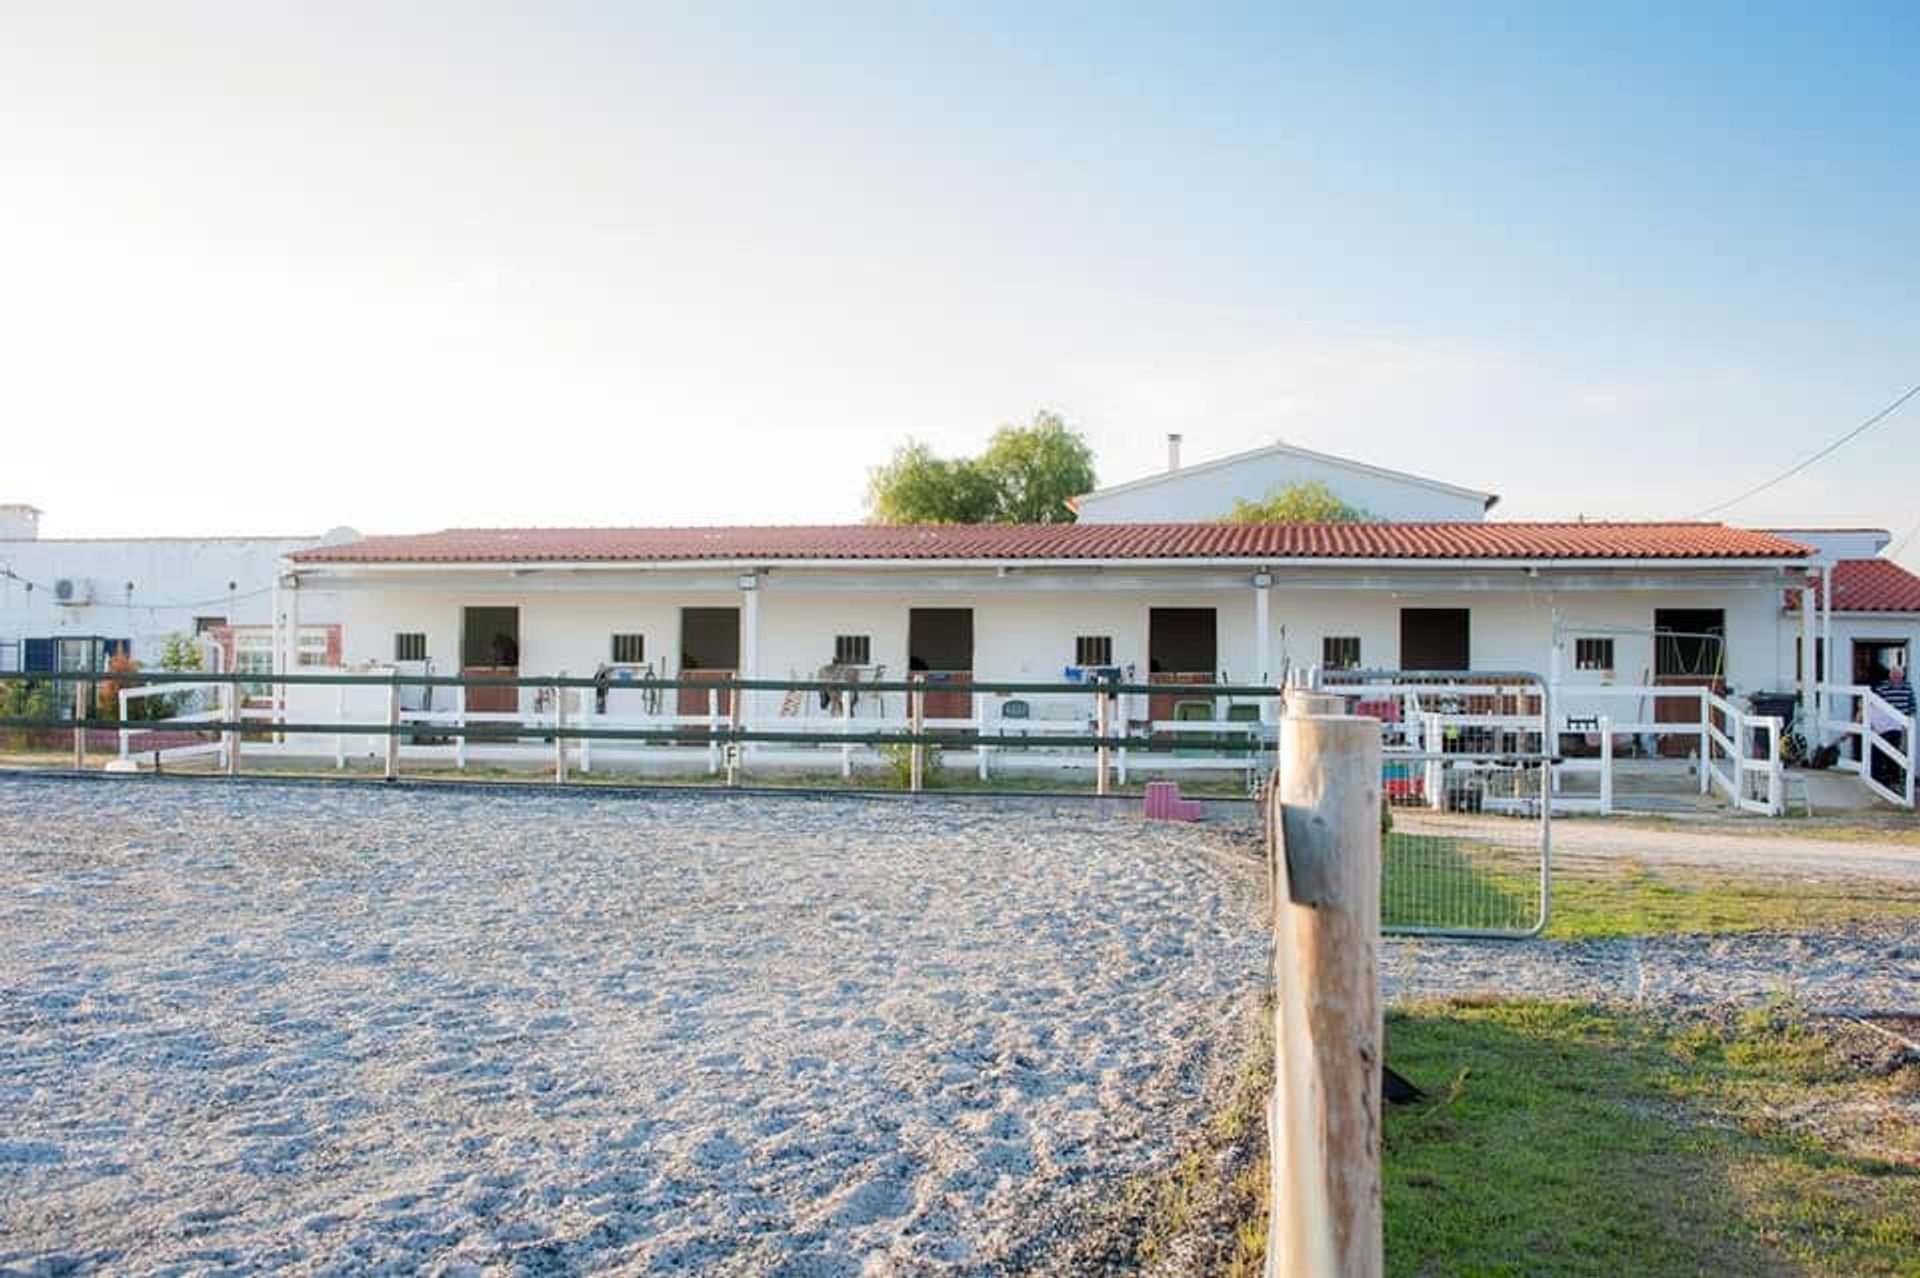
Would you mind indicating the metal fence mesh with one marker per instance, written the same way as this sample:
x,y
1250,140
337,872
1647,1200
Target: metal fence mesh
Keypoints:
x,y
1464,844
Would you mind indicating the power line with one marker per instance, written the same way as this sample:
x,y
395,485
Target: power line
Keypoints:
x,y
1851,435
149,604
1902,543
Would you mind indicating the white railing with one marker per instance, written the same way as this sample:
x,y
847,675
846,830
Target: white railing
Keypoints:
x,y
142,693
1868,717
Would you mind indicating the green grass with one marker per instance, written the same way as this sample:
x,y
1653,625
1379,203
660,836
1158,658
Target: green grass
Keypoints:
x,y
1569,1141
1632,899
1456,882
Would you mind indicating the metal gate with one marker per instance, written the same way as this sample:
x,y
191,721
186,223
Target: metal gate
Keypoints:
x,y
1467,832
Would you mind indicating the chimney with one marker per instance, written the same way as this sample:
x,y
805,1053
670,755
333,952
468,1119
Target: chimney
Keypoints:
x,y
19,522
1173,453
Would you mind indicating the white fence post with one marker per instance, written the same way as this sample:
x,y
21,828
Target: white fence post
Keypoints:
x,y
559,730
1606,765
1325,830
230,710
1103,755
126,733
393,728
81,713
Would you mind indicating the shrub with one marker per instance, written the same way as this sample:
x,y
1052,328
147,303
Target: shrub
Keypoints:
x,y
897,757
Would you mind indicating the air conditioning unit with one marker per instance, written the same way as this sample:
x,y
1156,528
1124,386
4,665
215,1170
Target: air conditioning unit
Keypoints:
x,y
73,592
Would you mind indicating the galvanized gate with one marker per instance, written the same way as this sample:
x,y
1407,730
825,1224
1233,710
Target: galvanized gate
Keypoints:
x,y
1467,831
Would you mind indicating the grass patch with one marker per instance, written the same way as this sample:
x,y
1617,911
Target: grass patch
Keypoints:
x,y
1431,881
1460,883
1568,1140
1633,899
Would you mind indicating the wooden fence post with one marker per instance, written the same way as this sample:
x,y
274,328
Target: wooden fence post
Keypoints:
x,y
1325,826
81,713
393,728
916,724
559,728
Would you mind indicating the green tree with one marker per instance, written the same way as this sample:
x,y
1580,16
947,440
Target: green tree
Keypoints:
x,y
915,487
1306,501
179,652
1025,476
1036,469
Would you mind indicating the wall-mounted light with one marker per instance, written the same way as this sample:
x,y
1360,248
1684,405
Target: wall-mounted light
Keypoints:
x,y
1262,579
749,581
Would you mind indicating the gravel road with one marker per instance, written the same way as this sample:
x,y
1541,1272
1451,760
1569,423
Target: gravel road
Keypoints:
x,y
1761,851
305,1030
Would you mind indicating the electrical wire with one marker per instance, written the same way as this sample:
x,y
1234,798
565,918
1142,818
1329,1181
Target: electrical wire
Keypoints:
x,y
255,592
1789,473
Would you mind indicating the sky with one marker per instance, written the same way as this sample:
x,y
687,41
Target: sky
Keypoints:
x,y
274,269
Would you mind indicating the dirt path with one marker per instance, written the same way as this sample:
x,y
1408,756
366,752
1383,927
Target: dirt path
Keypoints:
x,y
1585,843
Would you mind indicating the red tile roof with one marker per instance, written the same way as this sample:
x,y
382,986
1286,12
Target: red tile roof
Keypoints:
x,y
1871,585
1256,542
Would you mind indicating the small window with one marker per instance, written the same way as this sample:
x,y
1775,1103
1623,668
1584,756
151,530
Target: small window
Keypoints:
x,y
410,645
1593,654
207,625
1340,652
1093,650
853,650
629,650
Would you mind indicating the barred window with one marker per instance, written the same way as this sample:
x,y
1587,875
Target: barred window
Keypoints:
x,y
1340,652
1093,650
410,645
629,650
1593,654
852,650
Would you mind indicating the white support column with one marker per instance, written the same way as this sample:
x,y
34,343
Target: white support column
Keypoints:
x,y
743,715
276,651
1263,633
292,663
1809,668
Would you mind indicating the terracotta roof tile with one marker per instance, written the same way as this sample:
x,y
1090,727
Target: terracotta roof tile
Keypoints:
x,y
1872,585
1256,542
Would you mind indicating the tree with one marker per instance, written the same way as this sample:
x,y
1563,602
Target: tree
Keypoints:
x,y
915,487
1025,476
1035,469
1305,501
179,652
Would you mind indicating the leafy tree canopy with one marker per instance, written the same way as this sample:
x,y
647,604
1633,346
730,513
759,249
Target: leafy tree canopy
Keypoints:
x,y
1025,476
1306,501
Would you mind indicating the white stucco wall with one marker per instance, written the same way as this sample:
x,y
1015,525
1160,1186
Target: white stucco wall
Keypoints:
x,y
1027,632
1208,490
174,581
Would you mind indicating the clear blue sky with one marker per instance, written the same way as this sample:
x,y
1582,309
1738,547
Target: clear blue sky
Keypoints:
x,y
551,263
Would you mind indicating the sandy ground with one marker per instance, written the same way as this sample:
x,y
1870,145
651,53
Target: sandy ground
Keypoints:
x,y
1866,966
1770,850
297,1030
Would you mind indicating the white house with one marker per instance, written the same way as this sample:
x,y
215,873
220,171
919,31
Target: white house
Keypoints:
x,y
65,601
1874,621
1208,490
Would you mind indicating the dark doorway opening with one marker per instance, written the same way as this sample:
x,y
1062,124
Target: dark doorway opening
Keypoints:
x,y
1690,644
1874,658
709,650
490,648
940,646
1183,646
1689,651
1436,639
